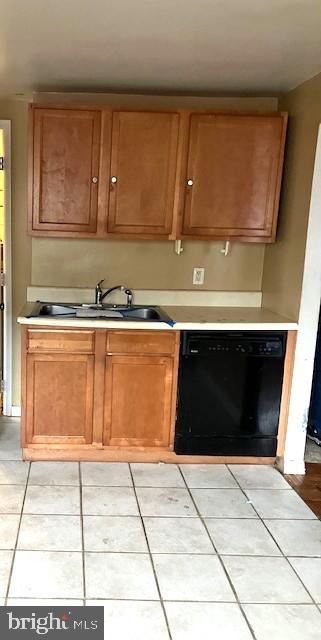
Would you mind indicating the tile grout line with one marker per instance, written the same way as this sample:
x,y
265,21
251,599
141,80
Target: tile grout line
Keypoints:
x,y
277,544
150,555
18,532
277,604
166,553
128,486
82,535
218,556
183,517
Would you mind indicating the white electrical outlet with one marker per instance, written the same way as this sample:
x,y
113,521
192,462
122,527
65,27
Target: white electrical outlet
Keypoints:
x,y
198,275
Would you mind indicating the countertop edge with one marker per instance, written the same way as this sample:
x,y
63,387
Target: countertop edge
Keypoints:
x,y
159,326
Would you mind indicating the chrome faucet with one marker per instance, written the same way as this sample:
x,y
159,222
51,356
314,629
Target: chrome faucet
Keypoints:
x,y
100,296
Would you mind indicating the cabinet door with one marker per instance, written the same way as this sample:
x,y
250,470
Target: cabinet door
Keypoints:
x,y
143,172
59,398
65,149
233,176
138,399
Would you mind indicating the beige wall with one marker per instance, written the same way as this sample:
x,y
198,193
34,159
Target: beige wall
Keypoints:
x,y
283,265
139,264
145,265
21,243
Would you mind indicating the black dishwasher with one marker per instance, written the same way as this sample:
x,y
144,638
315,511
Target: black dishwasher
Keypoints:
x,y
229,392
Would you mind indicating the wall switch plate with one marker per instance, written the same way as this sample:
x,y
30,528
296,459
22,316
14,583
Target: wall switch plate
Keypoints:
x,y
198,275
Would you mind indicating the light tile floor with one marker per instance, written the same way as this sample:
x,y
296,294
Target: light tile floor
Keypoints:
x,y
170,552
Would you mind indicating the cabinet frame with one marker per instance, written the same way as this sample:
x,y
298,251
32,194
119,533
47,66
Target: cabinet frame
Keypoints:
x,y
97,355
266,239
139,230
68,439
175,229
35,227
166,362
126,344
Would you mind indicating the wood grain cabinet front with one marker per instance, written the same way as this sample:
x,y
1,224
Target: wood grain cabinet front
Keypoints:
x,y
59,398
138,401
109,173
233,176
141,342
82,341
140,388
64,171
115,389
143,173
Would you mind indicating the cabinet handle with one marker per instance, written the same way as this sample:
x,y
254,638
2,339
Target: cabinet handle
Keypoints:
x,y
190,182
113,179
94,179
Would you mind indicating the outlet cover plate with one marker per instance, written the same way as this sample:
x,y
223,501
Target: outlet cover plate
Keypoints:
x,y
198,275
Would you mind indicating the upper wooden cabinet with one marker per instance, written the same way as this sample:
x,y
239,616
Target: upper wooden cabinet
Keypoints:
x,y
143,170
155,174
233,176
64,170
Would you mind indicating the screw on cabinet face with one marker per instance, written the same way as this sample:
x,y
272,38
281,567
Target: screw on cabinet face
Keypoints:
x,y
190,183
113,179
94,179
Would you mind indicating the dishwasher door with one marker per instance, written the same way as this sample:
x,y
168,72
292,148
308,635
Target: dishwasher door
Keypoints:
x,y
229,394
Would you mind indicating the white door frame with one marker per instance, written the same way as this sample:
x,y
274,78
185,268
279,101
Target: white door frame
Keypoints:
x,y
307,331
5,125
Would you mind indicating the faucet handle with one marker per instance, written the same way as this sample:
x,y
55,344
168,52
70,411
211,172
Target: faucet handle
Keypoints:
x,y
98,292
129,295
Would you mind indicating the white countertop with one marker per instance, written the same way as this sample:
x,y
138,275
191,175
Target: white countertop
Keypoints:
x,y
230,317
192,318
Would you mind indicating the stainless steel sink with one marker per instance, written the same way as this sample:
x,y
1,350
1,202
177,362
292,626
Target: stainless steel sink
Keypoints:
x,y
55,310
144,313
100,311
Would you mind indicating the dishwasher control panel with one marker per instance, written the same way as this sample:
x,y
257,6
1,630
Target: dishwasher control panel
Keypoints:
x,y
250,346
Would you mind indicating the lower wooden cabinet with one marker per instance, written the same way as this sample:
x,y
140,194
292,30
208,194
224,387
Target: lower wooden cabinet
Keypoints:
x,y
138,400
97,389
59,398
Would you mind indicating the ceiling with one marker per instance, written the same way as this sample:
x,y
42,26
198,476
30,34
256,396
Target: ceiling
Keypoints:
x,y
211,46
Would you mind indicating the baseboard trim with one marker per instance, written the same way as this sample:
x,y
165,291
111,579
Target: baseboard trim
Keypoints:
x,y
294,467
16,411
114,454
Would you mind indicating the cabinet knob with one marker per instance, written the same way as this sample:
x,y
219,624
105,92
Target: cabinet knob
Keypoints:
x,y
113,179
190,182
94,179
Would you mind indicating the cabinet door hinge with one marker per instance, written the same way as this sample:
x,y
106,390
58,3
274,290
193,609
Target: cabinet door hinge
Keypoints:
x,y
2,279
1,163
1,306
2,386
